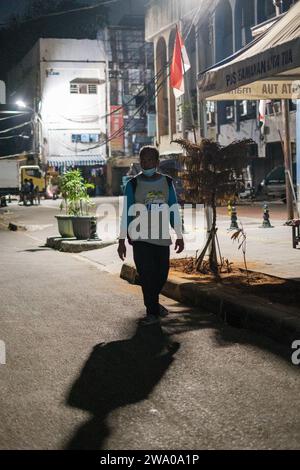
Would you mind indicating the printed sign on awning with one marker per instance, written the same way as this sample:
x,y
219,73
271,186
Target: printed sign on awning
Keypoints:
x,y
237,74
275,55
263,90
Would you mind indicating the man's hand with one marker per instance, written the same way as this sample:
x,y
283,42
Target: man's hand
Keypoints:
x,y
179,245
122,249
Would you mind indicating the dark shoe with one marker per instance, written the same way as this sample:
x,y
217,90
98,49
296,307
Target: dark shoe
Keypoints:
x,y
163,312
149,320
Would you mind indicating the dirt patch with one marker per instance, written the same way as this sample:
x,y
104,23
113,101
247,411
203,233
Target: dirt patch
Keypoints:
x,y
271,288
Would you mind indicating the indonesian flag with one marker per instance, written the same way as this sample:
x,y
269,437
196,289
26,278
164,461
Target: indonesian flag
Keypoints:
x,y
180,65
262,114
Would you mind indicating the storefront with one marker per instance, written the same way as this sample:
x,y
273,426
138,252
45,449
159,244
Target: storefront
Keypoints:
x,y
93,169
266,69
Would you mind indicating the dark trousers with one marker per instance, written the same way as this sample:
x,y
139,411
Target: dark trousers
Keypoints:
x,y
152,264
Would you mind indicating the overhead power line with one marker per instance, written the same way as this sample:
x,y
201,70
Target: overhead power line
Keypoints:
x,y
14,137
12,156
125,127
13,117
16,127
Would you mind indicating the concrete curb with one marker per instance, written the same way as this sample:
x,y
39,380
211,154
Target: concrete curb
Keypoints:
x,y
275,321
72,245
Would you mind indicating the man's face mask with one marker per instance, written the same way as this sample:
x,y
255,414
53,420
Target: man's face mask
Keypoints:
x,y
149,172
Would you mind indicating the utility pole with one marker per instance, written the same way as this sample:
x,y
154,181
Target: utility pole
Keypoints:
x,y
298,154
286,143
287,159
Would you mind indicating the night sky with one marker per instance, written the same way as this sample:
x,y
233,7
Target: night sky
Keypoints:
x,y
8,7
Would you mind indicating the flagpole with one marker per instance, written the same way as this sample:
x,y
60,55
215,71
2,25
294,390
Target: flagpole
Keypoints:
x,y
285,112
187,90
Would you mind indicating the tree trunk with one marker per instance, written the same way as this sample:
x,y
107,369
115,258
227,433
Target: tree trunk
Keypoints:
x,y
200,258
213,261
210,243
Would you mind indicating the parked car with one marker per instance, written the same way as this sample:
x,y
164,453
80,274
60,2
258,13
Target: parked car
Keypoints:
x,y
273,186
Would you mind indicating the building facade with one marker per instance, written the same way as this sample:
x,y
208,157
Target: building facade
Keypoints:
x,y
130,62
212,32
64,82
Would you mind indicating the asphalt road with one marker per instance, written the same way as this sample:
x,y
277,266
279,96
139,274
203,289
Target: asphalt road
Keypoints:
x,y
81,373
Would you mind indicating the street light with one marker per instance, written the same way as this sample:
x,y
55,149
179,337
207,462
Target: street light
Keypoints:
x,y
21,104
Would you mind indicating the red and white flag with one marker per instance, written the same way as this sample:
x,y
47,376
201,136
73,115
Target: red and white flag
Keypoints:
x,y
262,114
180,65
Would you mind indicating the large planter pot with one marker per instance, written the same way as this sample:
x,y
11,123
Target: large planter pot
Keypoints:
x,y
65,226
85,227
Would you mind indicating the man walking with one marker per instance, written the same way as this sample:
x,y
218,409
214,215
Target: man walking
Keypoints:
x,y
150,206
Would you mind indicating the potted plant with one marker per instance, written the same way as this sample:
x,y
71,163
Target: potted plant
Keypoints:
x,y
77,222
65,226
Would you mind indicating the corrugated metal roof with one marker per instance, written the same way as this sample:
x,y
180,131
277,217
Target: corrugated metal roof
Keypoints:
x,y
86,160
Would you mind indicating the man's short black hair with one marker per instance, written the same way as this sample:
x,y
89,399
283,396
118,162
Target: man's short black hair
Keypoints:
x,y
149,149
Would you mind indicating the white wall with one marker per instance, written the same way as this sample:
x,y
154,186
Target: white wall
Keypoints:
x,y
63,113
42,80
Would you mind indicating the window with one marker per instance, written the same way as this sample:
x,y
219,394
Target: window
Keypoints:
x,y
247,109
210,112
286,4
92,89
33,173
85,138
229,110
83,88
73,88
273,107
134,76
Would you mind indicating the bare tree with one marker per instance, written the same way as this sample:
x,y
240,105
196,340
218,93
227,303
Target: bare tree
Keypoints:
x,y
212,174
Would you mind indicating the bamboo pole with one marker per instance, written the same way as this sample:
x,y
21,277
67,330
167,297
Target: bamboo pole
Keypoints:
x,y
287,160
286,143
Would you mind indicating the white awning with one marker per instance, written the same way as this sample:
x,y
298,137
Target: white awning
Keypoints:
x,y
267,68
86,160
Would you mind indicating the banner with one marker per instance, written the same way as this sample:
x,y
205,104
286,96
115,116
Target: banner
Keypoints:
x,y
235,75
117,123
263,90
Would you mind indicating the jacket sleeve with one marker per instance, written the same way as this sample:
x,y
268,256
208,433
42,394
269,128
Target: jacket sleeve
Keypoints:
x,y
175,218
125,218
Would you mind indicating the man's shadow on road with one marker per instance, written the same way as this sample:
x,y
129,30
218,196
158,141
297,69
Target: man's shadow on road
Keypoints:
x,y
117,374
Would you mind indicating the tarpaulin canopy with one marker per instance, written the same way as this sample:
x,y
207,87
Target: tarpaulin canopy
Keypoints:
x,y
267,68
86,160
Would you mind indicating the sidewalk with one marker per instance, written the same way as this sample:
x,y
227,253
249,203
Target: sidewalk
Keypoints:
x,y
268,250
